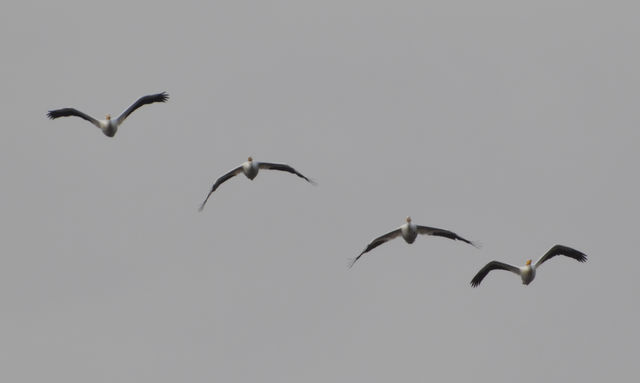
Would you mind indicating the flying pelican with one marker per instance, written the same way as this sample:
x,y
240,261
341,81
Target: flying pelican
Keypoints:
x,y
409,232
108,126
250,169
528,272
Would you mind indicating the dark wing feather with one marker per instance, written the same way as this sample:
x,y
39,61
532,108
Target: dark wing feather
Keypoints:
x,y
493,265
377,242
282,167
562,250
219,182
443,233
66,112
160,97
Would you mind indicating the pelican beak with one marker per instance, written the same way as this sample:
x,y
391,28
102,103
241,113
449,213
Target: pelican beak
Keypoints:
x,y
528,262
108,117
249,159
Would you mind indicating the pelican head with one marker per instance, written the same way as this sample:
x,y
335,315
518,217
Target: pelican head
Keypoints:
x,y
108,117
408,219
249,159
528,262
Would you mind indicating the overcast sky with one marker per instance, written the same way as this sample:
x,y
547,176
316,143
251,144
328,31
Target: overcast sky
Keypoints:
x,y
515,125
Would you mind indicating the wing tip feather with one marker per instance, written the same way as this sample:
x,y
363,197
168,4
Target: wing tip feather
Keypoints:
x,y
475,282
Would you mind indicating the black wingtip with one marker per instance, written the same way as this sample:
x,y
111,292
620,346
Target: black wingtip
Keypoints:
x,y
575,254
164,96
582,257
51,115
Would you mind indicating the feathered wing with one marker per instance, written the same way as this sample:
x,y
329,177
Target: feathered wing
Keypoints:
x,y
375,243
219,182
562,250
443,233
160,97
283,167
493,265
66,112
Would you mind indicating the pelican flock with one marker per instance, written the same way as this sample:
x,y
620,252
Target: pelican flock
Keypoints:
x,y
250,169
409,231
108,126
528,272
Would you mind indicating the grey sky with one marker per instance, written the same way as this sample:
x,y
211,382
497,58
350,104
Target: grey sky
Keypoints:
x,y
512,124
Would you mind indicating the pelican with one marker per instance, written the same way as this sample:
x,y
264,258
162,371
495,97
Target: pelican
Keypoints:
x,y
528,271
250,169
409,232
108,126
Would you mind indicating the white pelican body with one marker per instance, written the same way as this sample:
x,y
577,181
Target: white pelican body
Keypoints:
x,y
409,232
108,126
250,168
528,272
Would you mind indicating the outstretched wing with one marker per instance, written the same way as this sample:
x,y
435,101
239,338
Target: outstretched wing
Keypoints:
x,y
66,112
443,233
160,97
284,168
219,182
375,243
562,250
493,265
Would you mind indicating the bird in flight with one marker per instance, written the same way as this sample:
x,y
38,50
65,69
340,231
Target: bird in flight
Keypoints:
x,y
409,231
109,126
528,272
250,169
